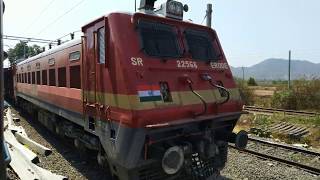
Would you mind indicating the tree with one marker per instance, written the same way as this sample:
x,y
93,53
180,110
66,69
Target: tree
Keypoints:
x,y
252,82
23,51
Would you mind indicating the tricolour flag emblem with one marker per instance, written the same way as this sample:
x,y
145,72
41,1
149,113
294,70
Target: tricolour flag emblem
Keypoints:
x,y
149,93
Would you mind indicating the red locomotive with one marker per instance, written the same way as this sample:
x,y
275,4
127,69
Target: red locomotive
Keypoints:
x,y
151,93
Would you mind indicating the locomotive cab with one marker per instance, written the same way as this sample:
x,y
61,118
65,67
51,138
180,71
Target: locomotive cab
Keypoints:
x,y
159,94
151,93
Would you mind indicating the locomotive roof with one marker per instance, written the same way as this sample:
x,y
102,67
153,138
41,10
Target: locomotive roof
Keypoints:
x,y
51,51
106,15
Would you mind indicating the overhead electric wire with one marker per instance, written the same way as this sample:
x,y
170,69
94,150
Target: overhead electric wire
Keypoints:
x,y
38,16
27,39
204,19
69,34
58,18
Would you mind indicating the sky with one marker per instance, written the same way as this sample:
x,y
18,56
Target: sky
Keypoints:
x,y
250,31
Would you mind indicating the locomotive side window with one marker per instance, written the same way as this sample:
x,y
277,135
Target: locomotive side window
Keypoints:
x,y
29,78
38,77
62,77
158,40
101,46
201,46
25,78
33,78
75,81
74,56
52,77
44,77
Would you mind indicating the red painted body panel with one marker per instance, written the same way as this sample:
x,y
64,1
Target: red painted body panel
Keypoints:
x,y
119,77
66,98
63,97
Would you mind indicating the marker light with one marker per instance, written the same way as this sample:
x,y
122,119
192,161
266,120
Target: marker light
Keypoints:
x,y
172,9
175,8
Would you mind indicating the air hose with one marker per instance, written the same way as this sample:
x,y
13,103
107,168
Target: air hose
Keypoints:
x,y
200,97
208,78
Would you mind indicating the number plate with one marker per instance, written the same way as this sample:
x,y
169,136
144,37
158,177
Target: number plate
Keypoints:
x,y
187,64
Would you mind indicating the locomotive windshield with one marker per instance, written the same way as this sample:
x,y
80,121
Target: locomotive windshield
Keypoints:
x,y
158,40
201,46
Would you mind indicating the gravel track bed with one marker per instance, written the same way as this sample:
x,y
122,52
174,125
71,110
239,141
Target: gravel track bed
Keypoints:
x,y
291,155
65,160
244,166
11,175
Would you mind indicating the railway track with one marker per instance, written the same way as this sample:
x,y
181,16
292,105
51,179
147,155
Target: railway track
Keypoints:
x,y
304,159
65,158
263,110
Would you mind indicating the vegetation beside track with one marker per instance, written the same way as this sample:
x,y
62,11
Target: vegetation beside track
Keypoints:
x,y
264,122
303,95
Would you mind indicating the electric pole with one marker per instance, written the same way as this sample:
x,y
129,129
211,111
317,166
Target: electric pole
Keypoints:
x,y
209,15
24,50
3,168
242,73
135,5
289,71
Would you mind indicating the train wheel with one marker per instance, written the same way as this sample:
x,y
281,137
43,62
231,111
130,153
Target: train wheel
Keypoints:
x,y
102,159
221,159
58,130
83,151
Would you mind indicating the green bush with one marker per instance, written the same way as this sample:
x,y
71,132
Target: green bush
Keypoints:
x,y
307,94
304,94
246,93
284,100
252,82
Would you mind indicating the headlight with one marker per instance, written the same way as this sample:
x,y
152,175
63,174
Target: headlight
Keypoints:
x,y
172,160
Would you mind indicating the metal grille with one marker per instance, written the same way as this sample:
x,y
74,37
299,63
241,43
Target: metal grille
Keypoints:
x,y
199,169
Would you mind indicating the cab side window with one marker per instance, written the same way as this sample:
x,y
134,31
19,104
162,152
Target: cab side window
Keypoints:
x,y
101,46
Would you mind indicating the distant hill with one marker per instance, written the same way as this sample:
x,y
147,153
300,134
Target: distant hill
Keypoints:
x,y
277,69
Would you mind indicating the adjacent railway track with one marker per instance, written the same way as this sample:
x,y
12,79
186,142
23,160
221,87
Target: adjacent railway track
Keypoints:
x,y
293,156
274,110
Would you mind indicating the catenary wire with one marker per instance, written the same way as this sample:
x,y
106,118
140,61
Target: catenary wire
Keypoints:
x,y
58,18
38,16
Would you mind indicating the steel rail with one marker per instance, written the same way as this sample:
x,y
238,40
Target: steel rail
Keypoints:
x,y
273,110
285,146
307,168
